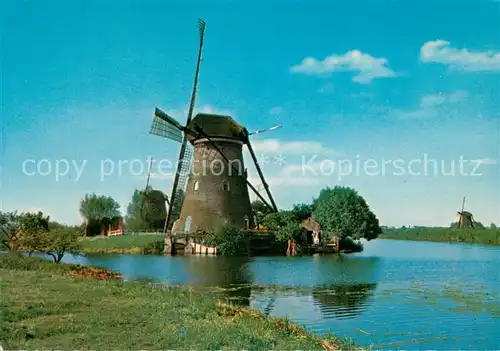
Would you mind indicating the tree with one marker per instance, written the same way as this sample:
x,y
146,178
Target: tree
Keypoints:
x,y
284,224
9,231
32,228
493,225
259,206
259,210
303,211
343,211
98,208
59,241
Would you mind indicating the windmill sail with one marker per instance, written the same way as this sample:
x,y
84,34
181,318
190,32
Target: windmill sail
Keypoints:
x,y
186,153
259,171
165,126
180,182
265,130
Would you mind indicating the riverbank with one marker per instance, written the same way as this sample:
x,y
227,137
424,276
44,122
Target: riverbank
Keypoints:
x,y
48,305
484,236
154,243
129,244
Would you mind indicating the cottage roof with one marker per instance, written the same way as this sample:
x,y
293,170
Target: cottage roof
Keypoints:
x,y
310,224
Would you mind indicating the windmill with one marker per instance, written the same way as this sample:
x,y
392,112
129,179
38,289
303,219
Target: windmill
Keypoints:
x,y
210,185
465,218
154,203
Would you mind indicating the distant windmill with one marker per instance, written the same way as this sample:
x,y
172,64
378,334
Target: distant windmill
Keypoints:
x,y
219,196
153,208
465,219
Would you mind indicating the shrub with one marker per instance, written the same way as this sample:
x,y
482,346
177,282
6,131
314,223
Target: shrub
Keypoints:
x,y
350,244
284,224
229,240
290,231
154,247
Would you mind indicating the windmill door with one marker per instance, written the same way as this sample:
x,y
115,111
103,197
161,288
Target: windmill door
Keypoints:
x,y
187,225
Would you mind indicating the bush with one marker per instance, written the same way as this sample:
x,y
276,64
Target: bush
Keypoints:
x,y
290,231
229,240
350,244
285,224
154,247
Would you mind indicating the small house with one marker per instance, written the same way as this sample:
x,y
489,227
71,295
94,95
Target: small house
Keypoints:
x,y
311,231
105,227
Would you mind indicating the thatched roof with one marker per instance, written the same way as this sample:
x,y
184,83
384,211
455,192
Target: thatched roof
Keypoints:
x,y
216,126
310,224
465,214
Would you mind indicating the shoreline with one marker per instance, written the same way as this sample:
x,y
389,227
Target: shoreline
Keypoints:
x,y
445,241
49,305
482,236
152,244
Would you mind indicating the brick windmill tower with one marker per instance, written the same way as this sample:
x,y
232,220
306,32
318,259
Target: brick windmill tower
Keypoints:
x,y
210,186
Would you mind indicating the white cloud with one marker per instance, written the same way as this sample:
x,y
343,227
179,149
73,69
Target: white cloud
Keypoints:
x,y
276,110
367,66
430,104
420,113
433,100
457,96
290,147
441,51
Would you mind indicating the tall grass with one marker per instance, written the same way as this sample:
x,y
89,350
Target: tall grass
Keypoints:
x,y
487,236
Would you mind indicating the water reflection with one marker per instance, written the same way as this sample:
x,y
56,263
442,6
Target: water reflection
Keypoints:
x,y
231,274
340,287
343,301
379,297
348,284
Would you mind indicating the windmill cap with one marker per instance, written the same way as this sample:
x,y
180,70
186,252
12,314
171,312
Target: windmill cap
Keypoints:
x,y
216,126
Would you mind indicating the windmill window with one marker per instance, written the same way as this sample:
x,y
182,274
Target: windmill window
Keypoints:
x,y
225,185
196,185
247,222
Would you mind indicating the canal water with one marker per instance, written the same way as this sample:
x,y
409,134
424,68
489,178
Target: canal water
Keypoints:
x,y
395,294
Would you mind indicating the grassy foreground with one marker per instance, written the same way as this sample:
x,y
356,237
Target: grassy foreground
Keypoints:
x,y
477,236
132,244
47,305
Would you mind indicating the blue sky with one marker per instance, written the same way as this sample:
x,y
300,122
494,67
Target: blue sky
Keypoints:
x,y
360,81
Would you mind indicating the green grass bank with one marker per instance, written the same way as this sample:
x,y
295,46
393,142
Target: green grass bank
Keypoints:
x,y
60,306
487,236
132,244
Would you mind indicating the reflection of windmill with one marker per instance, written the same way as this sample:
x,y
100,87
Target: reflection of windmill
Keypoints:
x,y
216,179
231,275
465,218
